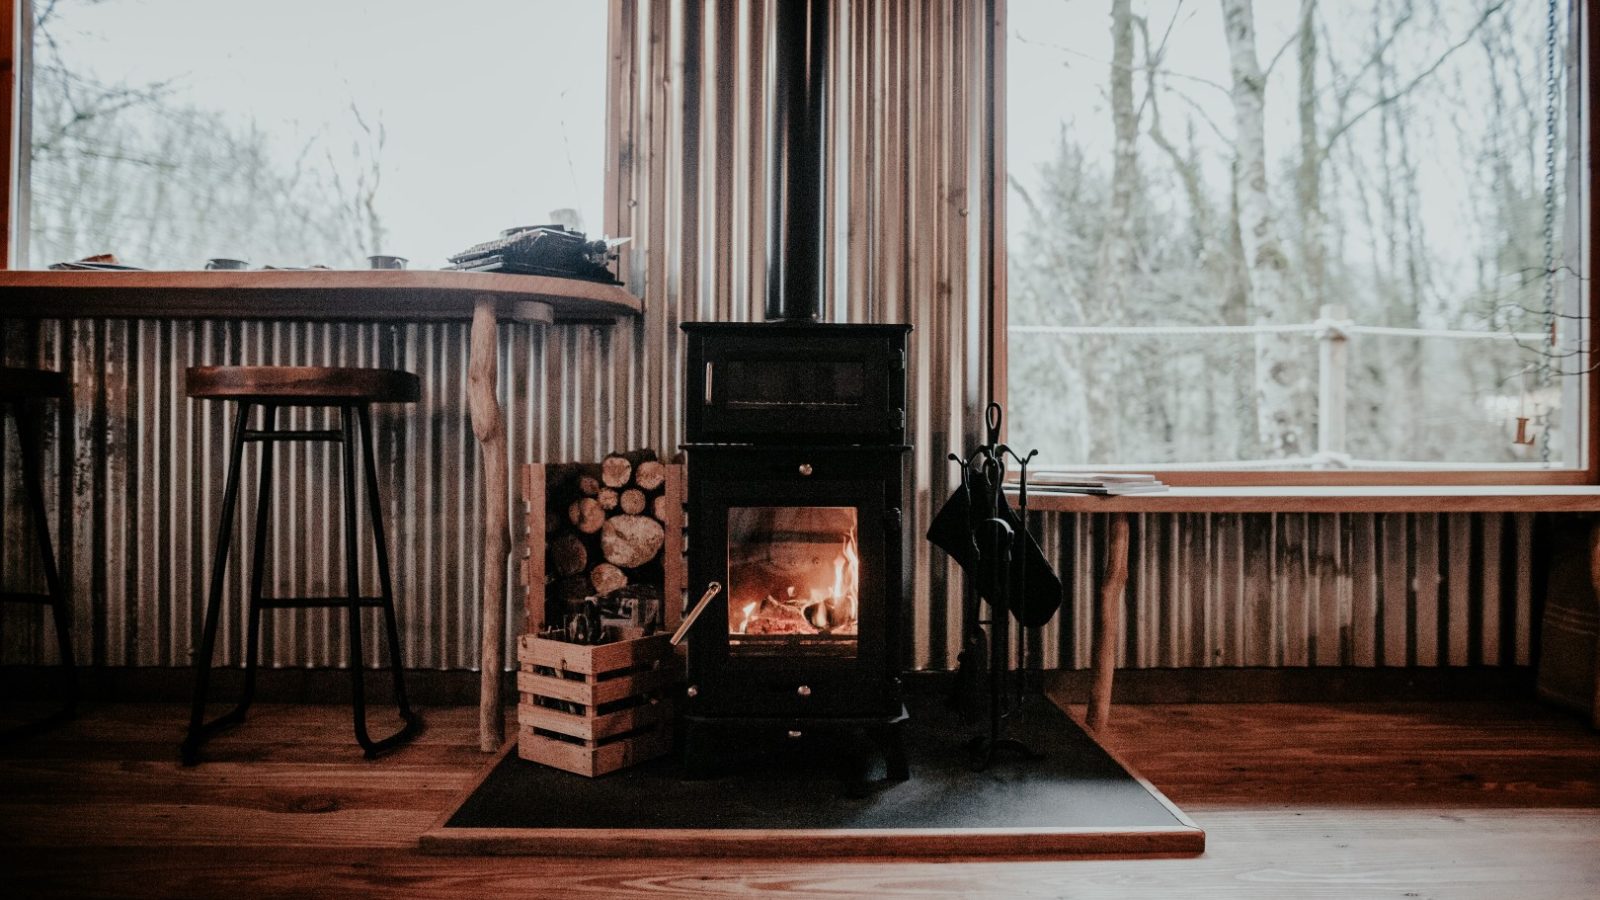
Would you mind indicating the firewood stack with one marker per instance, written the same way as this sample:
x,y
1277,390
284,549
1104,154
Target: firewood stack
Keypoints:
x,y
605,530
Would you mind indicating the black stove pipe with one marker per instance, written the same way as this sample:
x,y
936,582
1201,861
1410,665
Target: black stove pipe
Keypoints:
x,y
794,237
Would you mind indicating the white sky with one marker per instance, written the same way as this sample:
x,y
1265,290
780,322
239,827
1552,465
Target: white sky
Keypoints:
x,y
494,109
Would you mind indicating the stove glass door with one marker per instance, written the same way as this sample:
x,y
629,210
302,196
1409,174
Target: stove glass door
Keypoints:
x,y
794,581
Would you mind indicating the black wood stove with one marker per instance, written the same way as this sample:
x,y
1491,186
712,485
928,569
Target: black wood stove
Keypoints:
x,y
796,440
796,457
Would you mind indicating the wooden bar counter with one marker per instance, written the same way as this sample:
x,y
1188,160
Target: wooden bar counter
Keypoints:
x,y
380,295
317,295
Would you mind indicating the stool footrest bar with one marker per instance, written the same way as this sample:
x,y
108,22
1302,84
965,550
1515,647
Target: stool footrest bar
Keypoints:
x,y
307,435
315,602
26,597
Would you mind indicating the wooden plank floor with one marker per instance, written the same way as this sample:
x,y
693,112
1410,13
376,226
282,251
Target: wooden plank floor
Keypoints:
x,y
1298,800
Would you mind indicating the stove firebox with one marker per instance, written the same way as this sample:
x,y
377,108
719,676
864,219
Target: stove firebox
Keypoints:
x,y
796,454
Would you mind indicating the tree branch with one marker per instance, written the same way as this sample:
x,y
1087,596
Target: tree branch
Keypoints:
x,y
1387,99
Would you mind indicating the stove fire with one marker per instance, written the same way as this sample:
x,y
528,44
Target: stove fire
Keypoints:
x,y
794,579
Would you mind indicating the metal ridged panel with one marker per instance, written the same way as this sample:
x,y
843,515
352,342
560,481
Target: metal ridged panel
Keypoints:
x,y
145,469
1296,589
907,243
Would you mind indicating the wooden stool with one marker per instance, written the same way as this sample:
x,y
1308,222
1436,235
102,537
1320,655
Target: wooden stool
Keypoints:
x,y
21,392
271,387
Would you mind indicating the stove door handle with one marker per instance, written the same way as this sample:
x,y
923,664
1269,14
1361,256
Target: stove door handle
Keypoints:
x,y
712,590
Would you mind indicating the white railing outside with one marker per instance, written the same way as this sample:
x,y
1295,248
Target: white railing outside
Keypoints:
x,y
1332,330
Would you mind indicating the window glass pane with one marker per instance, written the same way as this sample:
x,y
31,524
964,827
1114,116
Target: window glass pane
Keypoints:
x,y
1299,235
297,132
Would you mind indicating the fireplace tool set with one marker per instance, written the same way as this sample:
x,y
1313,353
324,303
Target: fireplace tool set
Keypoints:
x,y
1006,568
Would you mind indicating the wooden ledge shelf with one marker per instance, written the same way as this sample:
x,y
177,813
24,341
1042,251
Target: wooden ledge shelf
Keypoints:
x,y
1332,499
1285,499
365,295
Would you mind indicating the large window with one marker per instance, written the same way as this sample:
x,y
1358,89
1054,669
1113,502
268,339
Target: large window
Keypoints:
x,y
301,132
1298,235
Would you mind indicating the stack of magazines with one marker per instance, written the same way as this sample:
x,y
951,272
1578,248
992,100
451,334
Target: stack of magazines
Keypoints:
x,y
1047,481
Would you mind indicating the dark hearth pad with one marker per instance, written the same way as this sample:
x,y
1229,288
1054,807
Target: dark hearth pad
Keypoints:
x,y
1077,800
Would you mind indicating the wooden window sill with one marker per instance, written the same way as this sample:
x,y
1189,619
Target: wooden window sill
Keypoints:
x,y
1332,499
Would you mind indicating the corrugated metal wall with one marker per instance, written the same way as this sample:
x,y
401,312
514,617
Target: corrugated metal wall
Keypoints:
x,y
1303,590
909,208
906,206
144,467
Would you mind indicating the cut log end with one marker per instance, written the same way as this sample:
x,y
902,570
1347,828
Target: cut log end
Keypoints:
x,y
615,470
586,515
607,498
631,541
650,474
632,501
607,578
568,556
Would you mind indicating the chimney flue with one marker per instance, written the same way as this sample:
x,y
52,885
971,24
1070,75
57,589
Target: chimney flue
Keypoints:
x,y
794,266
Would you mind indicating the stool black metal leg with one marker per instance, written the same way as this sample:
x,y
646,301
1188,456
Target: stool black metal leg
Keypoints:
x,y
353,589
385,586
34,485
199,730
352,580
258,564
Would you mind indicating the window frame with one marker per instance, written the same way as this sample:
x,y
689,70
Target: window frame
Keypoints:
x,y
16,42
1586,474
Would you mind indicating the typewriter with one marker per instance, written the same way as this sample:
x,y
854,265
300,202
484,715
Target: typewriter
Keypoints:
x,y
542,250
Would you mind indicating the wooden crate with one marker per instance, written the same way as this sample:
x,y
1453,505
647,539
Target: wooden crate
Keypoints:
x,y
616,699
615,706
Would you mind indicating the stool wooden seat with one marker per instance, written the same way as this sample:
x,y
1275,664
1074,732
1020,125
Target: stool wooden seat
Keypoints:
x,y
21,393
303,385
272,387
31,384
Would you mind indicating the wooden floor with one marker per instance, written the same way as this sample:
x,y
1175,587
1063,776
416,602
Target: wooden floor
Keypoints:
x,y
1298,800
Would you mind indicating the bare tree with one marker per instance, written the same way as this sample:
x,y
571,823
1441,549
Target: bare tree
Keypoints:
x,y
130,169
1284,399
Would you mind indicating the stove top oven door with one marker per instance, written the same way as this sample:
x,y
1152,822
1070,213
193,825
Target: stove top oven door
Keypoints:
x,y
803,541
815,384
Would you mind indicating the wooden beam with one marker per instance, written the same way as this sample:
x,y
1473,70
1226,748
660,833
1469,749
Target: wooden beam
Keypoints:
x,y
1594,576
487,423
10,103
1110,627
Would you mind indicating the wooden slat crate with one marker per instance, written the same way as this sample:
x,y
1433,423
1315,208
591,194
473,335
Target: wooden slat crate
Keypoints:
x,y
594,709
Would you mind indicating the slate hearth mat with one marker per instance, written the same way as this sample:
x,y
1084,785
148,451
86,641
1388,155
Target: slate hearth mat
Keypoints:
x,y
792,801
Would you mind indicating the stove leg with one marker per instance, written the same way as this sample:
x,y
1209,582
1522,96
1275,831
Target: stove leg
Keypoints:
x,y
891,738
696,752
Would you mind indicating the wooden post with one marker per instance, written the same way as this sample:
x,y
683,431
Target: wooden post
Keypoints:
x,y
1333,346
482,364
1105,641
1594,577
